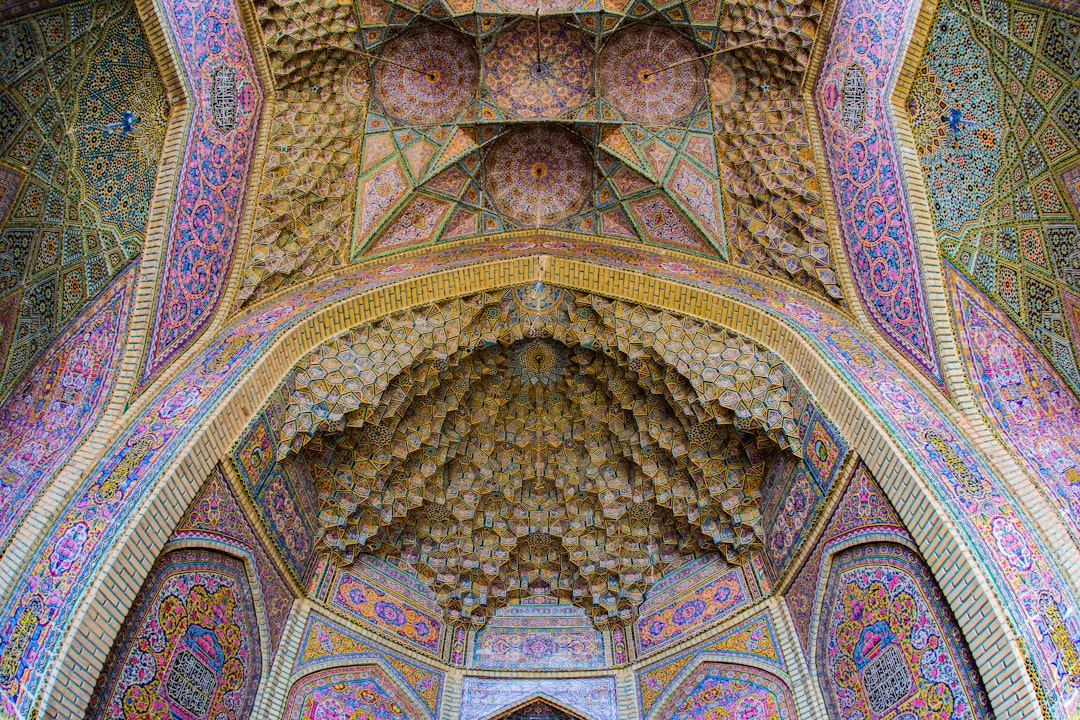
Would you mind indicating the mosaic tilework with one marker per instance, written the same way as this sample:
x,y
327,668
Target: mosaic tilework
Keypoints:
x,y
281,501
539,175
791,502
327,641
633,75
560,84
693,610
954,472
866,176
303,222
776,223
889,647
999,186
724,690
442,78
752,639
377,605
349,692
67,227
592,698
795,489
309,46
212,182
54,407
1025,400
557,637
538,710
216,515
282,493
1070,178
189,647
862,510
660,127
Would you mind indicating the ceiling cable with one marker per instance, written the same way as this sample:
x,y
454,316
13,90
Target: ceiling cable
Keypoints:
x,y
647,75
429,74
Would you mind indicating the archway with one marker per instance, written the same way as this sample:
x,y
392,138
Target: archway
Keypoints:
x,y
839,367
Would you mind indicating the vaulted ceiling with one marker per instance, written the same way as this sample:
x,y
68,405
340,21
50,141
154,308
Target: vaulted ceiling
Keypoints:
x,y
400,125
539,442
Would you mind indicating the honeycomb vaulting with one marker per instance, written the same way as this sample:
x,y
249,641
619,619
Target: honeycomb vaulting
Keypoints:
x,y
538,442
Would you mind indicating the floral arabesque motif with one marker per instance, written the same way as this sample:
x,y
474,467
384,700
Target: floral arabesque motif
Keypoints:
x,y
440,82
889,648
208,35
533,89
866,175
194,618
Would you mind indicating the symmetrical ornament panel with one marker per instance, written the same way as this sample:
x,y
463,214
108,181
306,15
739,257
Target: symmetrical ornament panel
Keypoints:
x,y
189,647
888,647
621,104
535,443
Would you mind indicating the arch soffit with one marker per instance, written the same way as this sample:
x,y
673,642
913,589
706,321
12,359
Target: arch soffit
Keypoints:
x,y
720,657
680,681
277,706
722,297
386,674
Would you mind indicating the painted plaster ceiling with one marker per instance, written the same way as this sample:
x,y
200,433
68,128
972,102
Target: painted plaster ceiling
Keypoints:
x,y
538,442
401,125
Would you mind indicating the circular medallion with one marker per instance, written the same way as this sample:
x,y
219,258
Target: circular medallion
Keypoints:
x,y
722,83
539,174
546,7
428,77
651,74
539,71
358,84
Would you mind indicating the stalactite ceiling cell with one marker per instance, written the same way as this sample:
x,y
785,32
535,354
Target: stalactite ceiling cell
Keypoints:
x,y
538,443
674,124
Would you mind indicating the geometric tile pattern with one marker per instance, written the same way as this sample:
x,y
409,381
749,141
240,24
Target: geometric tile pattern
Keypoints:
x,y
1000,187
449,442
304,214
622,80
74,187
955,471
775,218
443,169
